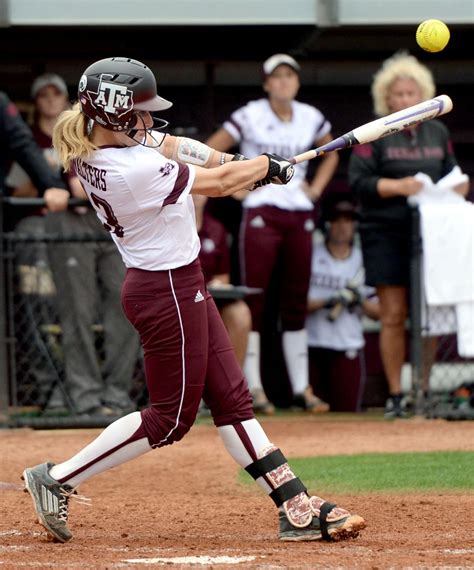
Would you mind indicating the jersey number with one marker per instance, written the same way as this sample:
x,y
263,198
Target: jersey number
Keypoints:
x,y
112,224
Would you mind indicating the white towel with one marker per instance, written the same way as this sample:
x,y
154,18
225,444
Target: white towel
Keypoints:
x,y
448,264
465,325
448,244
441,192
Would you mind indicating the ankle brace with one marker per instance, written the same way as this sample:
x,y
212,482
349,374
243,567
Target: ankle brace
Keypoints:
x,y
288,492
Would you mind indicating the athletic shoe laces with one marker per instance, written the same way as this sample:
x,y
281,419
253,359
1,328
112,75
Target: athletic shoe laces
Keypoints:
x,y
70,493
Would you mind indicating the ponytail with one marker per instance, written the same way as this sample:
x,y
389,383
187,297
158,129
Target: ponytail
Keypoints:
x,y
70,137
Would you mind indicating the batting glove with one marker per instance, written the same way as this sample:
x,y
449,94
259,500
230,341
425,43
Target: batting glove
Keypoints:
x,y
280,171
351,296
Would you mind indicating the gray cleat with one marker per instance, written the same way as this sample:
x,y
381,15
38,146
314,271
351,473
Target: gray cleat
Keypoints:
x,y
50,499
320,528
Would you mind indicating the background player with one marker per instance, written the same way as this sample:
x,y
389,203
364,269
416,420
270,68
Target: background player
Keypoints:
x,y
214,257
336,337
142,194
277,223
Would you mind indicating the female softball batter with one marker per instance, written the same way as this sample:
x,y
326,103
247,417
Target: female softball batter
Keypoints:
x,y
140,186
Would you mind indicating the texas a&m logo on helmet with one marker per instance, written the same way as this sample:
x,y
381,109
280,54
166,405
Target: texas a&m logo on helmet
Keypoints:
x,y
112,102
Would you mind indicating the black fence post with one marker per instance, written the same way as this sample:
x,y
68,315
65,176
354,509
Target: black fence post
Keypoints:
x,y
416,299
4,381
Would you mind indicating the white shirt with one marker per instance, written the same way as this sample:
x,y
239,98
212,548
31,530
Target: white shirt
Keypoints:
x,y
328,276
144,200
258,129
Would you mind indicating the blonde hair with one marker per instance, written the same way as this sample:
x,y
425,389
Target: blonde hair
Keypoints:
x,y
70,136
400,66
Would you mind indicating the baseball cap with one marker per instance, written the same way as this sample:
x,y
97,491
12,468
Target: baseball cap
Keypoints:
x,y
343,208
48,79
270,64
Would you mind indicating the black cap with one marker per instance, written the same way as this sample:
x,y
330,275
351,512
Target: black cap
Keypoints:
x,y
342,208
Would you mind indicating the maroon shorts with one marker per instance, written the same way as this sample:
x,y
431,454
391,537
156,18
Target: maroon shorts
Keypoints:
x,y
271,236
338,377
187,352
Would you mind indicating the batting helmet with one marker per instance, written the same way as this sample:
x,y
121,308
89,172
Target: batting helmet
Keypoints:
x,y
112,90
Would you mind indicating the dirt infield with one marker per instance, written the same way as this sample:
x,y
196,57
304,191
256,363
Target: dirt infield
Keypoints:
x,y
182,506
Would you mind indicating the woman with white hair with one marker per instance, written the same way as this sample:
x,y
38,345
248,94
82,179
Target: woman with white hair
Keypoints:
x,y
382,174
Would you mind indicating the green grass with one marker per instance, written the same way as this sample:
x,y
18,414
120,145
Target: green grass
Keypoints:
x,y
373,472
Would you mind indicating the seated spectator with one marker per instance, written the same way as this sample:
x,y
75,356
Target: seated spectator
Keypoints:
x,y
84,273
215,261
337,299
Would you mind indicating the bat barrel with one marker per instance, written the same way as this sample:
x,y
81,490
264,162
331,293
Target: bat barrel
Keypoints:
x,y
383,127
446,104
422,112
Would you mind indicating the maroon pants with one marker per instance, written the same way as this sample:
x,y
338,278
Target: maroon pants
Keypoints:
x,y
187,352
338,377
271,236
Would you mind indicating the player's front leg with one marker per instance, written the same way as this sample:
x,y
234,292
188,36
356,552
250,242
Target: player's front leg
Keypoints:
x,y
301,517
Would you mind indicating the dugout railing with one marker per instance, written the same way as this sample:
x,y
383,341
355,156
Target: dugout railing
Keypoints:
x,y
32,365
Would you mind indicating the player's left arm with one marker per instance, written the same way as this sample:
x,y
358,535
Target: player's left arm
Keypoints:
x,y
191,151
325,170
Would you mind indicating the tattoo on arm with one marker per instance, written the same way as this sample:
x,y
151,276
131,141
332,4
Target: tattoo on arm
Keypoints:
x,y
192,152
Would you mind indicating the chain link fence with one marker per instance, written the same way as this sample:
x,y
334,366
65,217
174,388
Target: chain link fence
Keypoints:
x,y
34,386
441,381
44,346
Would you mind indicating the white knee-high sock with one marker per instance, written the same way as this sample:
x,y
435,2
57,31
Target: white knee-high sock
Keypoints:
x,y
255,435
252,362
295,351
109,449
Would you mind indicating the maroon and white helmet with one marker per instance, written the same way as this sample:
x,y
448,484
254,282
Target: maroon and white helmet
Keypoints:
x,y
111,91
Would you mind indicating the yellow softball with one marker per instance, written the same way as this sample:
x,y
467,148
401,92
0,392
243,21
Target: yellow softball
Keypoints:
x,y
432,35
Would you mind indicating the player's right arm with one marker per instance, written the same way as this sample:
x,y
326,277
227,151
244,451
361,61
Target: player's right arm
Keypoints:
x,y
240,175
217,174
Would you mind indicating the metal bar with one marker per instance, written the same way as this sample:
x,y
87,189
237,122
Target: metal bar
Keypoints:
x,y
4,383
416,344
14,201
17,237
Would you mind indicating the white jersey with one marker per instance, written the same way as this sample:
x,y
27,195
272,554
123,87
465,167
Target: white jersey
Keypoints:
x,y
329,275
258,129
144,200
